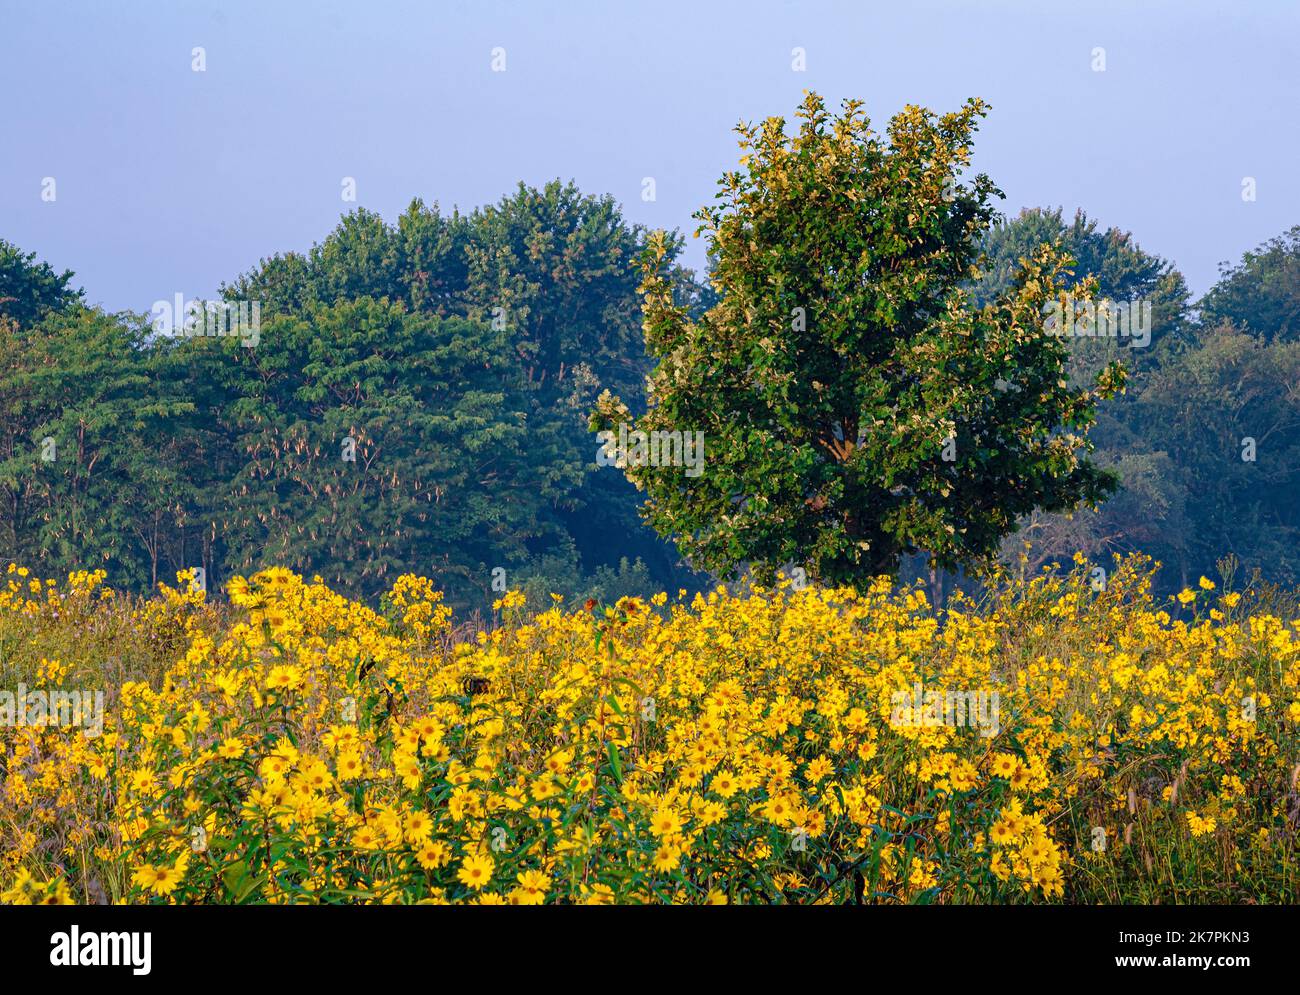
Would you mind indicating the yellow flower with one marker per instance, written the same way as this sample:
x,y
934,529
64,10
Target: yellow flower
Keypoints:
x,y
666,858
724,783
161,879
818,769
512,599
476,870
284,678
534,885
433,854
771,722
418,827
349,766
1004,765
665,822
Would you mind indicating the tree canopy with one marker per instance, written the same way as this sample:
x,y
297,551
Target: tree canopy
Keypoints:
x,y
867,371
857,404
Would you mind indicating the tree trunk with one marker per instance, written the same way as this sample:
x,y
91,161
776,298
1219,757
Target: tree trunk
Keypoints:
x,y
936,588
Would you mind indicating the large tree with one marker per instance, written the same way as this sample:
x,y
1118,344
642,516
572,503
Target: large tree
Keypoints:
x,y
538,298
856,404
372,440
87,428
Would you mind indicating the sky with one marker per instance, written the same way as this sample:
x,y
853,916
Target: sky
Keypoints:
x,y
169,180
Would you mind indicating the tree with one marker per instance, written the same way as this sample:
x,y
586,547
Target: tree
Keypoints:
x,y
560,271
29,290
1147,510
1227,413
1148,514
82,431
856,405
20,411
373,441
1122,269
1261,294
549,277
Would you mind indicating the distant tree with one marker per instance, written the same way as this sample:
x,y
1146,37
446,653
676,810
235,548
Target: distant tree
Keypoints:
x,y
1148,514
551,277
373,441
1261,294
1227,414
21,410
1147,510
30,290
1122,269
84,431
421,262
561,271
1122,273
1210,464
1177,439
856,405
186,461
281,284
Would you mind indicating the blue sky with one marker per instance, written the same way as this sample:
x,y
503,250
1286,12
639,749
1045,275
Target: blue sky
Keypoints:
x,y
170,180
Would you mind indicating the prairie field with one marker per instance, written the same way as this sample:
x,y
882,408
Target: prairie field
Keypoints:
x,y
1049,743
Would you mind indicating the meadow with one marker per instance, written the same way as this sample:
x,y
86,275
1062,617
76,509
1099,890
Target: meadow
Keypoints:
x,y
285,744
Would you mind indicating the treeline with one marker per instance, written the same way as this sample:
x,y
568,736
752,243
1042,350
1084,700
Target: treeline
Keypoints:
x,y
416,400
1206,438
418,396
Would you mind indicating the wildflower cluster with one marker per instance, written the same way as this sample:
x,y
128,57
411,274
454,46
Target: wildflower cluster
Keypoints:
x,y
737,747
